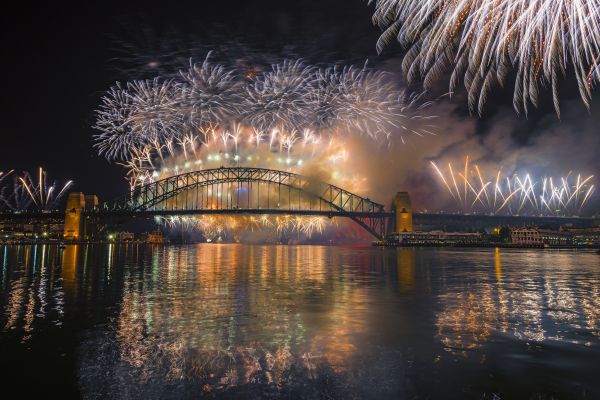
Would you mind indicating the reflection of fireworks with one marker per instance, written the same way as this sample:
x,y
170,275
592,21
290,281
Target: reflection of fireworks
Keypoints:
x,y
28,192
485,39
215,227
516,194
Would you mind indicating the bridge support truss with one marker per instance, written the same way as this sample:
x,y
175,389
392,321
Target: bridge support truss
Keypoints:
x,y
241,190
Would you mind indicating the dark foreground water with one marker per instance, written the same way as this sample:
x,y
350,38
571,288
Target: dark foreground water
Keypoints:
x,y
243,322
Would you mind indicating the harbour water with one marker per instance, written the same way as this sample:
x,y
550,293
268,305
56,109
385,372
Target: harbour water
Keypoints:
x,y
240,321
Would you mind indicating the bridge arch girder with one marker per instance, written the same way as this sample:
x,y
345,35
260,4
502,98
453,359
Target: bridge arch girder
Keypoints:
x,y
156,196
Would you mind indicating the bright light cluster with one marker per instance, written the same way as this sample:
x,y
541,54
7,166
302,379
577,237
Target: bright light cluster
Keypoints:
x,y
474,191
484,42
27,192
156,118
215,227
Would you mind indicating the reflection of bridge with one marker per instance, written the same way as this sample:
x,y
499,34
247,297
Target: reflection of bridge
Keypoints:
x,y
240,190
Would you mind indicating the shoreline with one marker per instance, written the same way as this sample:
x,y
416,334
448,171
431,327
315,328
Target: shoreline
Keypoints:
x,y
380,244
486,246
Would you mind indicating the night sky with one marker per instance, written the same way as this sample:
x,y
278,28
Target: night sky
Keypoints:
x,y
58,60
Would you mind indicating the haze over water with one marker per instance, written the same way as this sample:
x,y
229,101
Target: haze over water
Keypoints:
x,y
300,322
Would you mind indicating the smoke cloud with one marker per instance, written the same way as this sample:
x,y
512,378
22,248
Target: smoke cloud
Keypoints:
x,y
542,146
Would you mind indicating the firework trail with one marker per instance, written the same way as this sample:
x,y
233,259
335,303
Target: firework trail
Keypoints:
x,y
209,94
516,194
278,99
31,192
232,227
484,41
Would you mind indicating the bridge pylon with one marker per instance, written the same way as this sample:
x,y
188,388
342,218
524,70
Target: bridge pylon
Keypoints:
x,y
77,226
403,210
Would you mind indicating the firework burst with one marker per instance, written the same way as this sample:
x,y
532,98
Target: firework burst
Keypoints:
x,y
484,40
278,99
211,103
29,192
209,94
473,191
232,227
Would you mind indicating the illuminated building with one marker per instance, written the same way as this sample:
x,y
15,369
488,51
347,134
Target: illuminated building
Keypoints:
x,y
526,237
435,238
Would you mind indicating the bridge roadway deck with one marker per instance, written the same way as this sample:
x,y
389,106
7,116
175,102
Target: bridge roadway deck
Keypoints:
x,y
240,211
421,220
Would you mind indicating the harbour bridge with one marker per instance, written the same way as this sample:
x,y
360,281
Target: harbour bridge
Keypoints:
x,y
243,190
246,191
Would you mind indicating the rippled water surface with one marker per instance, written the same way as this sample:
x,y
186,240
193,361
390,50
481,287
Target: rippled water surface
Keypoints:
x,y
242,321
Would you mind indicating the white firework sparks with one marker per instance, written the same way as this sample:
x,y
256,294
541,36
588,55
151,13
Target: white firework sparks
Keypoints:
x,y
31,192
516,194
279,105
278,99
215,227
484,40
210,94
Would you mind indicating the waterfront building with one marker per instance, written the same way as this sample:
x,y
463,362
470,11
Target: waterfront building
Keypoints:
x,y
534,237
585,237
435,238
29,232
124,237
526,237
556,238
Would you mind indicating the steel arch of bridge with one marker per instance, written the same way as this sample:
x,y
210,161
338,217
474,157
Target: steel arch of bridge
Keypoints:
x,y
242,190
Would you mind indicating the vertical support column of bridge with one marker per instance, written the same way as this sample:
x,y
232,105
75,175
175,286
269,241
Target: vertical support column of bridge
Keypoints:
x,y
403,211
73,220
76,226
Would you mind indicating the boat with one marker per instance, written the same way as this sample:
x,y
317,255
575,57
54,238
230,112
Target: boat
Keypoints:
x,y
155,237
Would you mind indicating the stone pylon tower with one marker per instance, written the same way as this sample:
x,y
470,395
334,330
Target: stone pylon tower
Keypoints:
x,y
73,221
403,210
76,226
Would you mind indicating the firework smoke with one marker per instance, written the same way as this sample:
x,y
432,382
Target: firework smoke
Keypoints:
x,y
484,40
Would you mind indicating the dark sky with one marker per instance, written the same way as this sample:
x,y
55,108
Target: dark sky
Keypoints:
x,y
58,60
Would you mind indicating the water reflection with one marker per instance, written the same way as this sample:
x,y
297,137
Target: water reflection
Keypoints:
x,y
541,296
241,302
31,289
296,320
